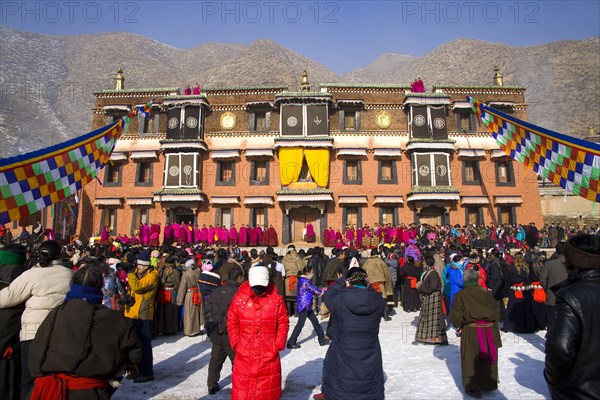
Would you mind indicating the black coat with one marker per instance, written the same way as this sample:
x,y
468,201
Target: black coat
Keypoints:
x,y
353,367
495,281
216,309
573,341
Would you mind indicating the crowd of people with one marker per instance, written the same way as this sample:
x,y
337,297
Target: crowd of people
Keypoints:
x,y
242,298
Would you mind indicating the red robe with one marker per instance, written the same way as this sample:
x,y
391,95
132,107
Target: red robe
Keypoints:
x,y
243,236
233,236
252,236
326,238
272,237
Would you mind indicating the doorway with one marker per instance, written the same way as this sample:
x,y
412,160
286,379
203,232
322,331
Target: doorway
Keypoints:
x,y
299,218
432,215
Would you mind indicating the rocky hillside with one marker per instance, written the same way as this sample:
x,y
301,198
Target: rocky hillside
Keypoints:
x,y
48,81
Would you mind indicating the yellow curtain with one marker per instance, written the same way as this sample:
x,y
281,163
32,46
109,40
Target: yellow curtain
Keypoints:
x,y
290,164
318,165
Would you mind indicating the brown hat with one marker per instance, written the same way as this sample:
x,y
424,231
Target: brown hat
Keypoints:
x,y
578,258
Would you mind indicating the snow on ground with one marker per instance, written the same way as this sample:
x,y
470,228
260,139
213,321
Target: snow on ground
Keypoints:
x,y
411,372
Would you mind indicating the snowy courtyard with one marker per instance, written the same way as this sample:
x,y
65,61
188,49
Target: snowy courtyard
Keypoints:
x,y
411,372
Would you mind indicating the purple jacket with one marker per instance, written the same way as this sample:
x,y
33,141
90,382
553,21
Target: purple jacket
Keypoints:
x,y
305,294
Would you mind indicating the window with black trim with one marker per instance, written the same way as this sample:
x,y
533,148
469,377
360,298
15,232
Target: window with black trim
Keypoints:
x,y
465,121
113,174
506,215
108,218
388,215
431,169
471,174
260,121
349,120
352,171
259,216
473,215
141,215
143,174
259,172
225,216
387,172
225,173
352,216
504,173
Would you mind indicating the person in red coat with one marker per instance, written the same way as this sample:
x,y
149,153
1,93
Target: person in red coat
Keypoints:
x,y
233,236
257,323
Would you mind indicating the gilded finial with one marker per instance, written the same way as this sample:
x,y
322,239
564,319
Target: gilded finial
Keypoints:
x,y
590,131
119,80
304,84
497,76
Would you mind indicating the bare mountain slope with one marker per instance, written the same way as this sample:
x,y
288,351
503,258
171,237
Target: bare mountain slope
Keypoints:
x,y
48,81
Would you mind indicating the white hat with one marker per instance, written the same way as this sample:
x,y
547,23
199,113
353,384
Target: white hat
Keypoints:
x,y
452,256
258,276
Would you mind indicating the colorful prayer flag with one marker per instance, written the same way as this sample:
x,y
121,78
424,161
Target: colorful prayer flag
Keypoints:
x,y
33,181
571,163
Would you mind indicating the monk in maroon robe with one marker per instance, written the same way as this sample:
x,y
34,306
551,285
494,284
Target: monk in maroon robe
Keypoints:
x,y
168,235
265,237
233,236
332,237
211,235
154,235
189,232
183,235
310,233
252,236
325,237
273,240
259,235
243,241
145,235
197,234
104,235
204,235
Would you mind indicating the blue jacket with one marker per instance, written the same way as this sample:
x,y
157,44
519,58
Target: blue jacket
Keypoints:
x,y
306,290
455,280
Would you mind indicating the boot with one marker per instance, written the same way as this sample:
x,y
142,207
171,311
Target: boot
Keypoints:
x,y
386,316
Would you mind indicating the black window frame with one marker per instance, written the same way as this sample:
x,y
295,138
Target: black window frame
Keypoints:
x,y
472,120
513,215
358,215
252,215
138,173
254,182
476,173
394,213
509,171
119,182
359,180
479,219
218,181
394,180
342,122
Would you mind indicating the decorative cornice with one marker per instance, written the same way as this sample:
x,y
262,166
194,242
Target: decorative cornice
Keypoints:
x,y
428,95
178,191
304,138
433,189
245,89
303,192
133,92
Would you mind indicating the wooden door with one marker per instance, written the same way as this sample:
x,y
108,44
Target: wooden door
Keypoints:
x,y
301,218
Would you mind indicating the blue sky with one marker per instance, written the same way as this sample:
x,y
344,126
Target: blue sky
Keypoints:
x,y
343,35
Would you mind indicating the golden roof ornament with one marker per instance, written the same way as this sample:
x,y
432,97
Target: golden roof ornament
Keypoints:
x,y
304,84
590,131
119,80
497,76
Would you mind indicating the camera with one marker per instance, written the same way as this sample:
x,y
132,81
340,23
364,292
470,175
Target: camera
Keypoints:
x,y
127,300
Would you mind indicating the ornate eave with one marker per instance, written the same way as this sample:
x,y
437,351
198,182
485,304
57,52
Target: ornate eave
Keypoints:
x,y
302,97
244,90
363,88
179,195
430,99
433,190
184,100
183,144
145,92
430,144
480,89
303,141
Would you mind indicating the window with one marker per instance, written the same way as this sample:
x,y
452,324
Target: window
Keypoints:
x,y
352,172
259,172
431,169
506,215
387,215
387,172
143,175
224,217
181,170
474,215
352,216
226,173
185,123
428,122
504,173
471,173
140,216
465,121
304,120
258,216
109,218
349,120
113,174
259,121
